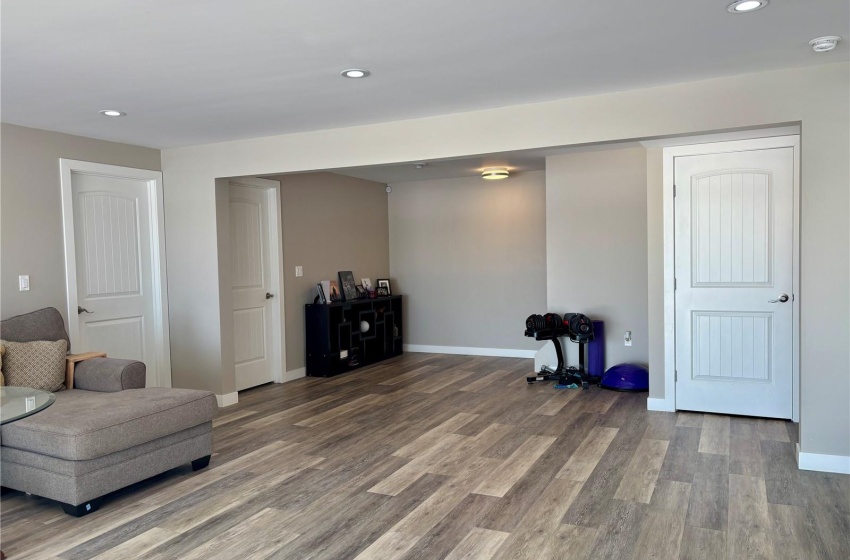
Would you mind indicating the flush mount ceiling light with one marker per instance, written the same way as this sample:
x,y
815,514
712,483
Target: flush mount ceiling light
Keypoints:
x,y
495,173
746,6
355,73
824,44
112,113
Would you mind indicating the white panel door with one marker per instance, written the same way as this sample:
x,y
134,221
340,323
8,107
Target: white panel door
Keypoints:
x,y
253,295
114,277
734,282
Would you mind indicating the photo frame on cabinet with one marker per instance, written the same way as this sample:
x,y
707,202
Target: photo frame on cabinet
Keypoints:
x,y
349,287
385,283
333,292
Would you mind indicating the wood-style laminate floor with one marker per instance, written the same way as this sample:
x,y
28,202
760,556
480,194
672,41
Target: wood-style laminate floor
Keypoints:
x,y
431,456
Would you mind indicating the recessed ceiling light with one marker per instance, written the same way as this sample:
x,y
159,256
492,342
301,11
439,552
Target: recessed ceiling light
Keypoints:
x,y
355,73
112,113
824,44
495,173
746,6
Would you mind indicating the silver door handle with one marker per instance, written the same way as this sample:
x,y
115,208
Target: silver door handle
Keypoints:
x,y
782,299
81,310
269,296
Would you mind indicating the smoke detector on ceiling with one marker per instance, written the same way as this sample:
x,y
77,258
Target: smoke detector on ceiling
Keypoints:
x,y
824,44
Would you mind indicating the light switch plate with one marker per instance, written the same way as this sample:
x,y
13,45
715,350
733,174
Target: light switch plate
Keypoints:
x,y
299,271
24,283
628,338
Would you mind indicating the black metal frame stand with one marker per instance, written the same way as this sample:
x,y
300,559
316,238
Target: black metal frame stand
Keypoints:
x,y
562,374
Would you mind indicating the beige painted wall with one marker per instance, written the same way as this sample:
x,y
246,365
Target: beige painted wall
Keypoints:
x,y
31,237
655,270
596,245
470,256
330,223
814,96
192,378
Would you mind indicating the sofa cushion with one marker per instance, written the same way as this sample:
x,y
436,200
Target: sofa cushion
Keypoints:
x,y
44,324
83,425
39,364
80,468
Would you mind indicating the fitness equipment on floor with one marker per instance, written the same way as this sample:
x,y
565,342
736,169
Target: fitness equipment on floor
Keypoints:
x,y
596,350
579,329
632,378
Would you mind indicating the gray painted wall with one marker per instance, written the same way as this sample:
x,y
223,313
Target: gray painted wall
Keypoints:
x,y
596,245
470,255
330,223
31,235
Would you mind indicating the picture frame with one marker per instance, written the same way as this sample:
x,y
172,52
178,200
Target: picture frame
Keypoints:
x,y
362,293
385,283
334,294
383,291
349,287
367,283
321,291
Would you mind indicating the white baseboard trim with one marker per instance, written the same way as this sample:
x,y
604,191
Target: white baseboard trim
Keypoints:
x,y
468,351
294,374
823,463
661,405
227,400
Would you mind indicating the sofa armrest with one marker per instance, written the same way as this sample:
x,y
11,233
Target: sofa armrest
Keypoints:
x,y
71,361
109,375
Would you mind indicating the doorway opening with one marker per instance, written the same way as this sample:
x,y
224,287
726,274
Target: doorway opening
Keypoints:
x,y
115,264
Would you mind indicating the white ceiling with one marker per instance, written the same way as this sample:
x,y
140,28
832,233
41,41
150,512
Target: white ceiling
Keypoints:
x,y
200,71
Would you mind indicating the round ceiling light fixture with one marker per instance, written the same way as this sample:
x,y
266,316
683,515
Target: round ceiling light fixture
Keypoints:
x,y
746,6
113,113
355,73
824,44
495,173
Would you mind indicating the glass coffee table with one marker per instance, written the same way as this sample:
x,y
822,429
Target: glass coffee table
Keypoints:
x,y
20,402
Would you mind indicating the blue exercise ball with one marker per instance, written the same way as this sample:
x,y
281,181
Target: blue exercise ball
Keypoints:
x,y
633,378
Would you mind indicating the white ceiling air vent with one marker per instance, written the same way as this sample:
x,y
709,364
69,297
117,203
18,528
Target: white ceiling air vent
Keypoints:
x,y
824,44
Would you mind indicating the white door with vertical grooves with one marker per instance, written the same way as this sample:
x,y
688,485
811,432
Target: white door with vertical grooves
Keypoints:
x,y
253,294
115,284
734,282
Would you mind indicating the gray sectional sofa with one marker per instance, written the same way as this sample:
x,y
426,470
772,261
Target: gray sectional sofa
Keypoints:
x,y
105,433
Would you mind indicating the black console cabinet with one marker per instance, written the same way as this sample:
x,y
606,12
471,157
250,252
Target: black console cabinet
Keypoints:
x,y
335,343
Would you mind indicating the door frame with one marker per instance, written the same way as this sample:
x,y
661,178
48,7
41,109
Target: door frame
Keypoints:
x,y
275,221
669,156
68,167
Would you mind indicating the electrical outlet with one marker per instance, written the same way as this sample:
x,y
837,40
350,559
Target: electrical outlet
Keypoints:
x,y
24,283
628,338
299,271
